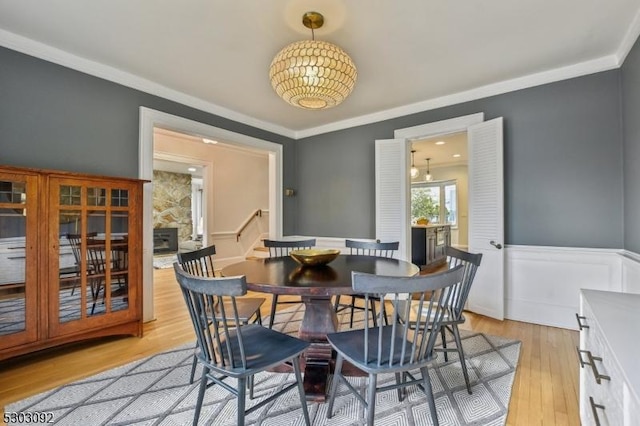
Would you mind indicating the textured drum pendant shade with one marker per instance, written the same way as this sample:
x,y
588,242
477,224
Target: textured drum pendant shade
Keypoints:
x,y
312,74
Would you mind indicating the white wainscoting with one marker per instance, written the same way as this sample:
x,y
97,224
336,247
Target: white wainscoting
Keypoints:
x,y
543,283
630,272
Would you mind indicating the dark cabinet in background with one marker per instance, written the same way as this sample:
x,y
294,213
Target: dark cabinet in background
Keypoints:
x,y
428,244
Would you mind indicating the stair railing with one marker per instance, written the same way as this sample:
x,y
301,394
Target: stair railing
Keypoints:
x,y
257,213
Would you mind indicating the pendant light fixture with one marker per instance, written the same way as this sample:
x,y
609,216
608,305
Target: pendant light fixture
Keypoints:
x,y
414,171
428,176
312,74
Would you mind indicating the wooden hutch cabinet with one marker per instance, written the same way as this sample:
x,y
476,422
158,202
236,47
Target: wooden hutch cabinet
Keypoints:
x,y
70,258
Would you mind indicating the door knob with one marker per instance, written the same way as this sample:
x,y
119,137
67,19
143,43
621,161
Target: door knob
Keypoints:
x,y
498,246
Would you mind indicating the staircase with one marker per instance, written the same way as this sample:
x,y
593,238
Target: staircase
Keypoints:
x,y
259,251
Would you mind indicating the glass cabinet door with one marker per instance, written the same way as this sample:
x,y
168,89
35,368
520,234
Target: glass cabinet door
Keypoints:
x,y
18,259
92,256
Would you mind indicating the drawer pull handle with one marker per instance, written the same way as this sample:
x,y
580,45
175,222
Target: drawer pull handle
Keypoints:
x,y
580,324
582,363
594,410
594,367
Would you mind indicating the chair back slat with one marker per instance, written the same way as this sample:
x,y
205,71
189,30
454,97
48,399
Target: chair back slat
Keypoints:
x,y
219,338
282,248
199,262
470,262
419,305
372,248
75,240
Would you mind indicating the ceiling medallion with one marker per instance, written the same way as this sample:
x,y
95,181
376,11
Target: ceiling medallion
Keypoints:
x,y
312,74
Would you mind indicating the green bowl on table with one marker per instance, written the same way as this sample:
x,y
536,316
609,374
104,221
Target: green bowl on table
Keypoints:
x,y
314,257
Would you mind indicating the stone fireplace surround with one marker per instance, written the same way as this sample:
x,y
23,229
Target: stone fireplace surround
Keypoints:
x,y
172,205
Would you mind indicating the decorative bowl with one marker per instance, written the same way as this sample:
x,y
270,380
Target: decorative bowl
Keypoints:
x,y
314,257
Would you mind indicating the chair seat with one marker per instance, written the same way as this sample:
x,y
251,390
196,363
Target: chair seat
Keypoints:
x,y
351,345
227,349
448,316
263,348
450,319
247,307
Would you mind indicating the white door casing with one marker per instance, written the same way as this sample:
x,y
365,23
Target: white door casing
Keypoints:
x,y
487,296
392,190
486,216
150,118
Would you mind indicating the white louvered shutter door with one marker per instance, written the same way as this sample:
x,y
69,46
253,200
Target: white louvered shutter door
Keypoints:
x,y
392,218
486,216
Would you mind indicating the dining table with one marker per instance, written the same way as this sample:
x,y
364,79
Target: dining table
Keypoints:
x,y
316,285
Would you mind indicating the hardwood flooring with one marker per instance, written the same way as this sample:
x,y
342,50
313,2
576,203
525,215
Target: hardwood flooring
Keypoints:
x,y
545,391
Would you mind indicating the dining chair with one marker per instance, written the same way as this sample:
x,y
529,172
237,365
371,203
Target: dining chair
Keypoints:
x,y
282,248
75,243
200,263
455,309
104,271
365,248
230,349
407,344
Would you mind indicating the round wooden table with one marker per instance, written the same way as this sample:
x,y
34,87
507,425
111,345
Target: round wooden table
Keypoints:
x,y
315,285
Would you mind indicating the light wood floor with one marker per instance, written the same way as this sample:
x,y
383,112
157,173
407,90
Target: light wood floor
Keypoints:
x,y
545,390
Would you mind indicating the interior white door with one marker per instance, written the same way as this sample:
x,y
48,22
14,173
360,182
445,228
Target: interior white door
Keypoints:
x,y
392,191
486,217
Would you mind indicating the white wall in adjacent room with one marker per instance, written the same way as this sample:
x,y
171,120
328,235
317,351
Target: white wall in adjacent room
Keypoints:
x,y
240,179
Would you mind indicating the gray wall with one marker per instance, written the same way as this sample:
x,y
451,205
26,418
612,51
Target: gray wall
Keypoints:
x,y
563,166
631,117
563,150
57,118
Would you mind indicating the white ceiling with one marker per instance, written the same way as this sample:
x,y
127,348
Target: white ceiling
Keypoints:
x,y
441,150
411,55
194,170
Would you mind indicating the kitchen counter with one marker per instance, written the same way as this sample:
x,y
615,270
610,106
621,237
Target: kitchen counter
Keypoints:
x,y
428,244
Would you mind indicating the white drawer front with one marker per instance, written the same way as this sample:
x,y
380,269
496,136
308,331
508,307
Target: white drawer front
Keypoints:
x,y
601,383
631,408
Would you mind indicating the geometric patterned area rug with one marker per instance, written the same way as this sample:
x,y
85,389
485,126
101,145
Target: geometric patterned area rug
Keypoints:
x,y
156,391
164,261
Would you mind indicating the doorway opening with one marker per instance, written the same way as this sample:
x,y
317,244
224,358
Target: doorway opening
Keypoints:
x,y
181,190
151,119
439,189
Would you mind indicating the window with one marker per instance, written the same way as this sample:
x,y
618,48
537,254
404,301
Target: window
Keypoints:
x,y
435,201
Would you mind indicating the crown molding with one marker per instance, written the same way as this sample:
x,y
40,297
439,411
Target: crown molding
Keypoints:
x,y
57,56
604,63
629,40
60,57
